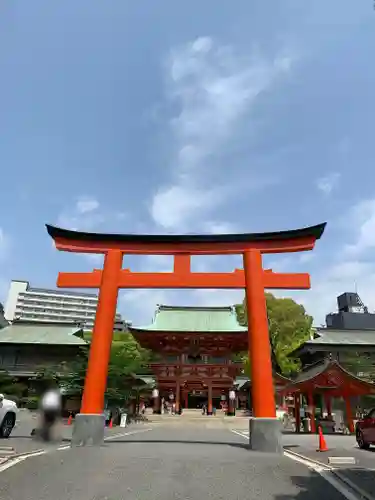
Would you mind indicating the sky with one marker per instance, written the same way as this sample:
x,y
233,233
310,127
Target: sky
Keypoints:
x,y
189,117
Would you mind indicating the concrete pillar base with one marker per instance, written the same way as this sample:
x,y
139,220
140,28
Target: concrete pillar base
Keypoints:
x,y
265,435
88,430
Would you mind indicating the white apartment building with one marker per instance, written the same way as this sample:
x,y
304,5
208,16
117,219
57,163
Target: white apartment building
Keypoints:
x,y
41,304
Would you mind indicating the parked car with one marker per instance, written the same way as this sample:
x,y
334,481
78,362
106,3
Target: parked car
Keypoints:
x,y
365,430
8,414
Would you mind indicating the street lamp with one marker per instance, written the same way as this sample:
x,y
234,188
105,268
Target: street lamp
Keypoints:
x,y
156,406
231,406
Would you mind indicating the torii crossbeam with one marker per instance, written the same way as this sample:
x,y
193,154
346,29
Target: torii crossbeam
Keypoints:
x,y
253,278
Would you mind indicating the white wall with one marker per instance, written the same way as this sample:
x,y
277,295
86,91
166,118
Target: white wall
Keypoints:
x,y
16,287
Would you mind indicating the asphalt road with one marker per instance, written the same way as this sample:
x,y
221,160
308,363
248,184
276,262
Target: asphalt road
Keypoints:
x,y
362,473
22,442
163,464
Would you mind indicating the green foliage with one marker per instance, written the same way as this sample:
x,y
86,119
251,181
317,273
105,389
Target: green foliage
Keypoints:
x,y
11,387
46,376
74,372
289,327
361,364
127,358
31,403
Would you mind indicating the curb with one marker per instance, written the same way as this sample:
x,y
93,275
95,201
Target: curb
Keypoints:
x,y
363,494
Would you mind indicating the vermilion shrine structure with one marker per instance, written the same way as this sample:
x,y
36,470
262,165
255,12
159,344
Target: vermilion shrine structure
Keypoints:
x,y
329,380
196,347
264,427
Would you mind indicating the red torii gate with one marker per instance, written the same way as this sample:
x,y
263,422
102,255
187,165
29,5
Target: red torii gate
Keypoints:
x,y
253,278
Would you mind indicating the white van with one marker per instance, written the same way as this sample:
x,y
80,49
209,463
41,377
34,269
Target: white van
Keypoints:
x,y
8,415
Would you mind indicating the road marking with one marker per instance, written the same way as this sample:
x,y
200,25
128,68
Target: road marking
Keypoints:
x,y
326,473
14,461
342,460
121,434
19,459
343,485
240,433
108,438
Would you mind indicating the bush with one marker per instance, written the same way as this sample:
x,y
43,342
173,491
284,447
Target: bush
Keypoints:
x,y
31,403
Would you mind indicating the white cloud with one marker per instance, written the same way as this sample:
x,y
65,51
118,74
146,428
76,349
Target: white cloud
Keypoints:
x,y
306,257
83,215
328,183
213,88
347,269
4,287
331,281
217,227
210,297
87,204
362,221
4,244
158,263
96,259
342,268
4,253
139,305
87,214
172,205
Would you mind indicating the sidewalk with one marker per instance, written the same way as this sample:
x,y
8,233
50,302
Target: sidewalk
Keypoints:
x,y
361,473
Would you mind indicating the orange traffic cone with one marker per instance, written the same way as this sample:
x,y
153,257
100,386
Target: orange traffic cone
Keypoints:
x,y
322,442
70,419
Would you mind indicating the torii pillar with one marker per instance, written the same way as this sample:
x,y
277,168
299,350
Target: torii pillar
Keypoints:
x,y
265,428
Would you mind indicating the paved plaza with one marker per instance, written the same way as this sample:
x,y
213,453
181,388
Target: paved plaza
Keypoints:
x,y
149,461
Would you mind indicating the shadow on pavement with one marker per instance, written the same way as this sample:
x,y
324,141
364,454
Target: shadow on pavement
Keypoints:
x,y
364,478
177,441
36,438
311,487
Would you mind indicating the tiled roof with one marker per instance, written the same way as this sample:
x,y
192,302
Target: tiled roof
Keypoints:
x,y
194,319
40,333
329,374
332,337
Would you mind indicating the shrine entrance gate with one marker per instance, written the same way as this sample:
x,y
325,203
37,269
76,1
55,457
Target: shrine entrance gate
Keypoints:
x,y
264,427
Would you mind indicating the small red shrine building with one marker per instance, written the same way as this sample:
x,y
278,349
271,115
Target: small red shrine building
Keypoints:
x,y
196,347
330,380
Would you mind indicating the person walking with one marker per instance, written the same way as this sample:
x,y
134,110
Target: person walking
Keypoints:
x,y
50,406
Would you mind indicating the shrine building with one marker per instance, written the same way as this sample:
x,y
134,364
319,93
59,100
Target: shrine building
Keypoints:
x,y
196,346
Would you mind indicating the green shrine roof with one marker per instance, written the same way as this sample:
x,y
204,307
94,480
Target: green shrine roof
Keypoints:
x,y
194,319
42,333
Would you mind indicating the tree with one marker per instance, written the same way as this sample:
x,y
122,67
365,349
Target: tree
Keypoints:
x,y
289,327
127,358
11,387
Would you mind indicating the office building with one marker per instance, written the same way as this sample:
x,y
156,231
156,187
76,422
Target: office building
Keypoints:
x,y
41,304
